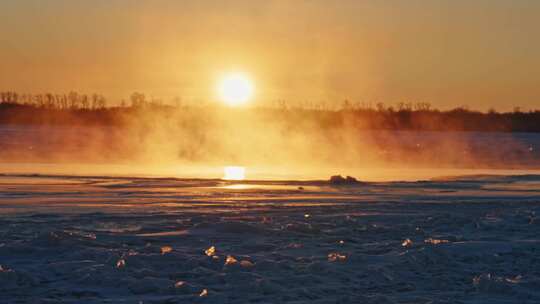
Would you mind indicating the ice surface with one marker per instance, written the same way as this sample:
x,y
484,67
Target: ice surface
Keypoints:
x,y
133,240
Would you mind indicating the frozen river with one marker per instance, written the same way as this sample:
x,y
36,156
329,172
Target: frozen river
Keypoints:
x,y
132,240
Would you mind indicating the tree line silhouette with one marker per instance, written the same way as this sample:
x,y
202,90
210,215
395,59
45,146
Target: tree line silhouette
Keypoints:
x,y
72,100
93,109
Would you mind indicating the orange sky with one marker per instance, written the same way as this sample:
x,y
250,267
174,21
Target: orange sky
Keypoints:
x,y
482,53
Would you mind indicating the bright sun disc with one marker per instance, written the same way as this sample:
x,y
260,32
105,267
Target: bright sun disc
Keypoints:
x,y
234,173
235,89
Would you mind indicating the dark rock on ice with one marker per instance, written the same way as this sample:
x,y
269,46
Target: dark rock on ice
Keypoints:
x,y
340,180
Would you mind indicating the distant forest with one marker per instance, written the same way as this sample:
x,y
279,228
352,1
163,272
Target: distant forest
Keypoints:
x,y
82,109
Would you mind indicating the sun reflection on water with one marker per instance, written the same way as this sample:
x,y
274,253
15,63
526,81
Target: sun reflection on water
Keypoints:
x,y
234,173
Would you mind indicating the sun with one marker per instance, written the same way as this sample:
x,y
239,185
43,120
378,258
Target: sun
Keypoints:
x,y
235,89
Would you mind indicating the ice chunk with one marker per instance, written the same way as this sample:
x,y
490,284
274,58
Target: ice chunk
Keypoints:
x,y
406,243
336,257
230,260
121,263
435,241
246,264
179,284
166,249
210,251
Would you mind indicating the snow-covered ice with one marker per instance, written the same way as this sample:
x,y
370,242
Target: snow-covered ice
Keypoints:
x,y
471,239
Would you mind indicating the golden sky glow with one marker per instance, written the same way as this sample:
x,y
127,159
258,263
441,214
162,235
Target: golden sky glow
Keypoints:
x,y
481,53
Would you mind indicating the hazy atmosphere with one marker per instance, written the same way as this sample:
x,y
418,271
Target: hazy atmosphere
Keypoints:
x,y
482,54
